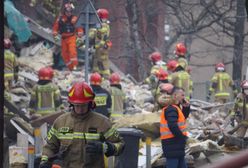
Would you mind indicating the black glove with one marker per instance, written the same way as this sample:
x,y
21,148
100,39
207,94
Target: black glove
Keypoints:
x,y
45,164
110,150
95,147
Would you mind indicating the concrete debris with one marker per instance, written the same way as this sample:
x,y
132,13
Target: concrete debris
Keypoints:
x,y
207,122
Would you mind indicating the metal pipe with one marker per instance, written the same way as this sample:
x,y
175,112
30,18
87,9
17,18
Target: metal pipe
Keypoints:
x,y
237,161
31,156
148,152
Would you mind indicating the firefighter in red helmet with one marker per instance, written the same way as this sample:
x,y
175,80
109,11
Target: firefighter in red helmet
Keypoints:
x,y
71,37
220,84
103,98
45,95
100,40
180,53
81,137
117,95
157,63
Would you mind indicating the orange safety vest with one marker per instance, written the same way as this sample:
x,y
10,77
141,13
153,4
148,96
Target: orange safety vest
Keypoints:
x,y
165,132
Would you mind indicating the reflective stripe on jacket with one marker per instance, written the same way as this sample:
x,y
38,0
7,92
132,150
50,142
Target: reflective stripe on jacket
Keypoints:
x,y
72,132
9,64
118,98
165,132
223,81
44,97
181,79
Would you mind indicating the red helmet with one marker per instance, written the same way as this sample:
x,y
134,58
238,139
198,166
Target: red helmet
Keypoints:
x,y
172,65
81,93
180,49
68,7
103,13
95,79
115,78
45,73
155,56
220,67
244,84
7,43
162,74
166,87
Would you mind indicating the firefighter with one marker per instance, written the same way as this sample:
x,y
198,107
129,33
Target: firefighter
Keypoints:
x,y
157,63
99,38
117,95
173,133
81,137
10,65
171,66
45,96
180,78
103,98
180,52
71,36
240,110
221,81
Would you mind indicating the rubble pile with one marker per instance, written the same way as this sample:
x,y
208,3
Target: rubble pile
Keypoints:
x,y
207,122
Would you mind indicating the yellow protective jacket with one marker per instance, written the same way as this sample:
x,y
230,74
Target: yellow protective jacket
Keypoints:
x,y
9,65
183,62
221,81
181,79
100,36
152,79
45,98
118,99
240,108
71,132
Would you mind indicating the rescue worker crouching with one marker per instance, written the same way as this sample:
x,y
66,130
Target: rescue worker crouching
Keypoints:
x,y
103,98
240,110
10,65
117,95
82,137
162,77
71,36
45,95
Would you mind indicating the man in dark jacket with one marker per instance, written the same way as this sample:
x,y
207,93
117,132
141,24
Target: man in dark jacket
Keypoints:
x,y
103,98
173,129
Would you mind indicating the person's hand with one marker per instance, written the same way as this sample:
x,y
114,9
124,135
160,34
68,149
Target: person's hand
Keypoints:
x,y
185,103
45,164
56,38
95,147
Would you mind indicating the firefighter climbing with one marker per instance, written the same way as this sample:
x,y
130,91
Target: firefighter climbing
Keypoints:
x,y
70,36
99,38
